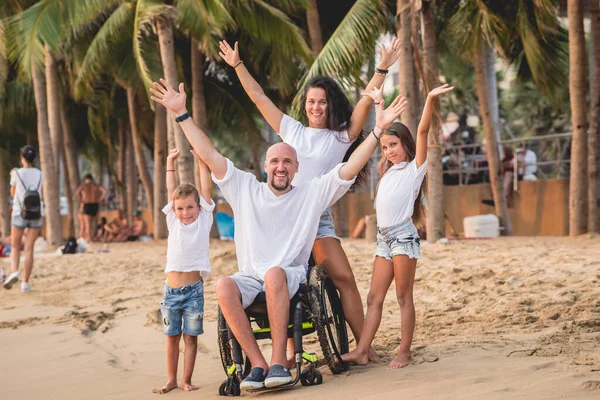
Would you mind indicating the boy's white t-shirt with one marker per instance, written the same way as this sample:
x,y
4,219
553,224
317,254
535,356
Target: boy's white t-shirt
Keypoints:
x,y
32,177
188,244
319,150
277,231
397,192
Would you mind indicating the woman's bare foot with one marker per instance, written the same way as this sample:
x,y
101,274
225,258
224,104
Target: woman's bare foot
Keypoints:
x,y
373,356
356,357
166,389
188,387
400,361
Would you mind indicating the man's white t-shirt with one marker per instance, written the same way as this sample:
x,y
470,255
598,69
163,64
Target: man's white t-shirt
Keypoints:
x,y
397,192
188,244
276,231
319,150
33,179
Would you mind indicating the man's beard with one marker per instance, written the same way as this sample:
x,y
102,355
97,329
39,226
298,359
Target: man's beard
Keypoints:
x,y
281,187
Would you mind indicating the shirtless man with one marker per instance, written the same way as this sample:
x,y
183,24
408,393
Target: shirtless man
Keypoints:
x,y
91,195
139,228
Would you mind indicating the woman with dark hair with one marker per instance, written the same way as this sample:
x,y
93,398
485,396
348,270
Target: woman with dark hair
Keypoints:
x,y
26,191
334,130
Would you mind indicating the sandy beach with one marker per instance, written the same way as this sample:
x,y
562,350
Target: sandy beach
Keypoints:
x,y
504,318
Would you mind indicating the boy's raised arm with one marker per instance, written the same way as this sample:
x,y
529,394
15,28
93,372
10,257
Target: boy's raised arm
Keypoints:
x,y
171,181
175,103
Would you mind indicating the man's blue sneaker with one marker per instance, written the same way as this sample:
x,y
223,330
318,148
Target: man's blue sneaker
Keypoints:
x,y
254,380
277,376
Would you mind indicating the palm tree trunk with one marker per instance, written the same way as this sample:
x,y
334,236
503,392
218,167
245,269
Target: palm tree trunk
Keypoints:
x,y
71,165
408,74
69,196
594,138
160,183
131,183
491,147
314,27
138,146
121,167
185,163
490,69
4,209
435,223
577,84
53,94
198,99
50,186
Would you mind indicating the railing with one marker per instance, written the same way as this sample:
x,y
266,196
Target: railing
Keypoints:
x,y
469,168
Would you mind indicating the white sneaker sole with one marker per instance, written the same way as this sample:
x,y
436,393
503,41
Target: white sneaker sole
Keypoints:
x,y
277,381
251,385
9,282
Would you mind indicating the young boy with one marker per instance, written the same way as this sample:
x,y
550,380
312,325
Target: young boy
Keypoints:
x,y
189,219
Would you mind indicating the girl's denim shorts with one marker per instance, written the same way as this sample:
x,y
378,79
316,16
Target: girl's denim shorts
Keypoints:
x,y
394,240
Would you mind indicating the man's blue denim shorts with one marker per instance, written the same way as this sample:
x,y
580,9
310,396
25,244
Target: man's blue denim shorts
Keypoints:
x,y
182,309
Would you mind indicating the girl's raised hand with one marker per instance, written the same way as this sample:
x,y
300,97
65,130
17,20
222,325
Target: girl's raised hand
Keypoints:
x,y
231,56
168,97
173,154
384,118
440,90
376,94
389,56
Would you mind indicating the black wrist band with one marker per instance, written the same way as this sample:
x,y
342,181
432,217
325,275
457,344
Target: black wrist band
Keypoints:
x,y
373,132
182,117
381,71
236,65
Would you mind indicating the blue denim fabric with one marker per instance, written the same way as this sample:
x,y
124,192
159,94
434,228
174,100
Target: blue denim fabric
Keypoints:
x,y
402,238
18,222
182,309
326,227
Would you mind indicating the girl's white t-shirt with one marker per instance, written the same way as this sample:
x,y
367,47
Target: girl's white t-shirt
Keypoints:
x,y
33,179
319,150
397,192
188,244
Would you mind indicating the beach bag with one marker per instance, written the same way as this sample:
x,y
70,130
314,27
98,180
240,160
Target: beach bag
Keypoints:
x,y
31,205
70,247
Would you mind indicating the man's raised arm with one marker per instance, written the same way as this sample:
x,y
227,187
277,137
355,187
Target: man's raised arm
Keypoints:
x,y
175,102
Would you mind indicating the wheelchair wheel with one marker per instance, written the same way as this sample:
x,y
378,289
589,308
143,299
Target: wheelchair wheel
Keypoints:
x,y
329,319
225,346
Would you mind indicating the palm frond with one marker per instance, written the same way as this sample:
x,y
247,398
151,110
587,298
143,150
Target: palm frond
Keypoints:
x,y
203,18
348,48
145,13
16,103
103,51
261,20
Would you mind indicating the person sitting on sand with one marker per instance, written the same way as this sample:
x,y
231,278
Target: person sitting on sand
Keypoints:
x,y
117,230
398,204
275,226
189,219
100,230
91,195
139,228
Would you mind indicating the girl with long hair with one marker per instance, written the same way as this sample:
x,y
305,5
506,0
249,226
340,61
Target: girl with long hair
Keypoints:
x,y
399,208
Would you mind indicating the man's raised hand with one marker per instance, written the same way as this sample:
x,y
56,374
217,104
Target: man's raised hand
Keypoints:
x,y
164,94
231,56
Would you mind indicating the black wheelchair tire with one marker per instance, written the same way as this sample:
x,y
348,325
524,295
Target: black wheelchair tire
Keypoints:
x,y
332,339
225,346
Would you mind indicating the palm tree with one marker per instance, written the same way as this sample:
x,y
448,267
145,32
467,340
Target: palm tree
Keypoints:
x,y
435,222
577,86
4,210
408,74
314,27
594,133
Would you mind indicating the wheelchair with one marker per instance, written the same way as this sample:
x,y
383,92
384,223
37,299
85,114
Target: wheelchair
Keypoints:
x,y
316,307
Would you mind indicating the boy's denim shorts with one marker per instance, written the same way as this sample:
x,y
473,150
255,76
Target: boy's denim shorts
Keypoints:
x,y
19,222
398,239
182,309
326,227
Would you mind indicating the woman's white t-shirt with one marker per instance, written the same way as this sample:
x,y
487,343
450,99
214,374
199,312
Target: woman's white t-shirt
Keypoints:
x,y
32,178
319,150
397,192
188,244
